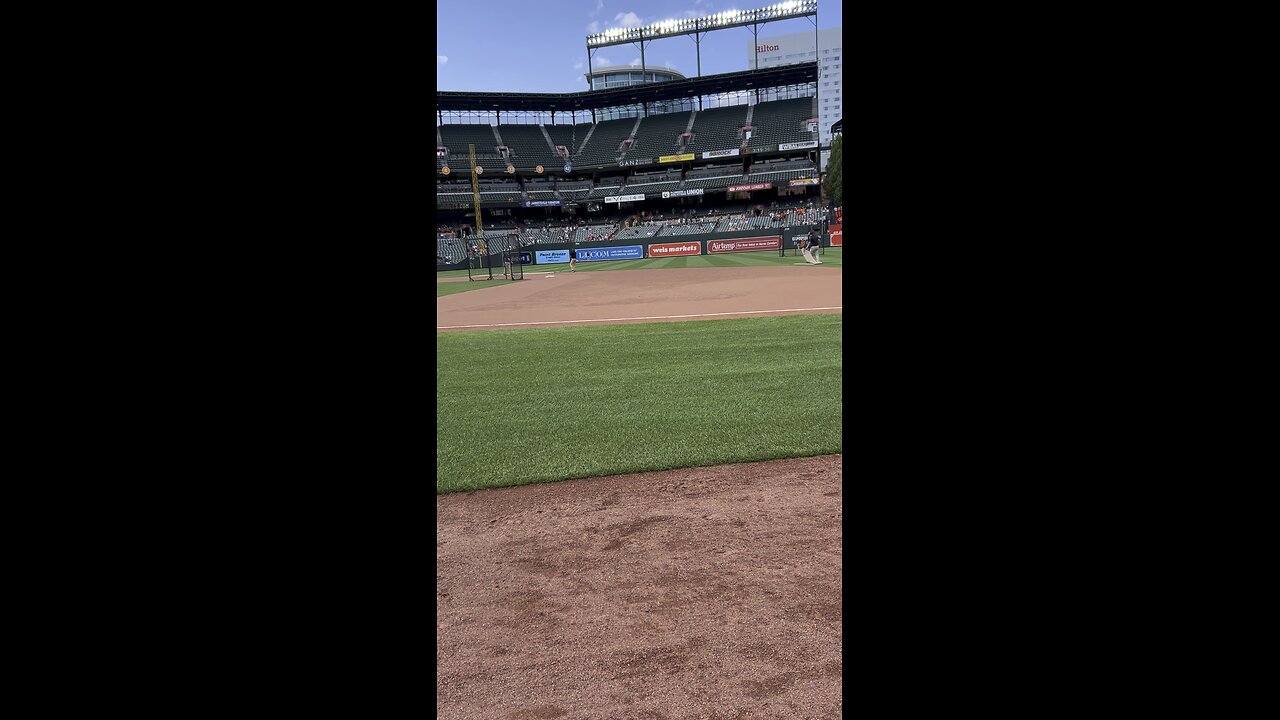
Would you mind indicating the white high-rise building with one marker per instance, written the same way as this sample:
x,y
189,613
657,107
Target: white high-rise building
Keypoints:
x,y
798,48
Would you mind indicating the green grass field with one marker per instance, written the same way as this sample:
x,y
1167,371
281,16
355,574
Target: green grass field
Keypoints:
x,y
523,406
453,288
831,257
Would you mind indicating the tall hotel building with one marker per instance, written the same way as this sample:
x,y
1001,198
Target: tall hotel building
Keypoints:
x,y
798,48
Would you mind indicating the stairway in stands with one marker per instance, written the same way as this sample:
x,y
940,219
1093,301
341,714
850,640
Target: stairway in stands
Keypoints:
x,y
499,143
587,139
551,144
751,111
687,129
632,137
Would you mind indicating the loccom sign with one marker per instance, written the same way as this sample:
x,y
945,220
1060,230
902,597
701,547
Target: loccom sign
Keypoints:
x,y
745,244
628,252
673,249
720,153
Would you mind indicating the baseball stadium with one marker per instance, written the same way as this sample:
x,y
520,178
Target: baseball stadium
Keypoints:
x,y
639,379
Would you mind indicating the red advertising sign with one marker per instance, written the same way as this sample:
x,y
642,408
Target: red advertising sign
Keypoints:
x,y
753,186
837,235
673,249
745,244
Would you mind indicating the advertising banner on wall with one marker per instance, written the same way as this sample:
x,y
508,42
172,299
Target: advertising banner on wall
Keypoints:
x,y
623,198
804,181
542,203
627,252
637,161
753,186
551,257
721,153
807,145
745,244
676,158
837,235
673,249
682,193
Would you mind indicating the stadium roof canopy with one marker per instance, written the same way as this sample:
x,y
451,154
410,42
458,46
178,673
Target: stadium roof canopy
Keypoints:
x,y
838,127
798,74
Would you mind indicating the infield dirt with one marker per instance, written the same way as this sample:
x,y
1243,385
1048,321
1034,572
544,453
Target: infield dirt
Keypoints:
x,y
648,294
709,593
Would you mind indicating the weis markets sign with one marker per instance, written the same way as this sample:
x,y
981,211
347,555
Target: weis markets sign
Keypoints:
x,y
753,186
628,252
676,158
807,145
804,181
745,244
720,153
673,249
623,198
682,193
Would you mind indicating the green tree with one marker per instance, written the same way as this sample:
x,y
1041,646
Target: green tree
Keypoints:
x,y
832,186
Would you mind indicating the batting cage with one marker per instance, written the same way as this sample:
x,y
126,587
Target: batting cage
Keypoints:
x,y
803,243
478,265
513,264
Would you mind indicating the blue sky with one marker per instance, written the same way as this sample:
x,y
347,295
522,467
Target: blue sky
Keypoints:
x,y
522,46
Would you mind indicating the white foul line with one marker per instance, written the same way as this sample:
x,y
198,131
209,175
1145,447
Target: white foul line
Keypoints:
x,y
647,317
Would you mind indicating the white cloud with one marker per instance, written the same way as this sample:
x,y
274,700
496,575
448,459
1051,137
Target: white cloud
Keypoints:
x,y
602,61
578,65
635,62
628,19
442,59
695,13
669,65
594,27
600,6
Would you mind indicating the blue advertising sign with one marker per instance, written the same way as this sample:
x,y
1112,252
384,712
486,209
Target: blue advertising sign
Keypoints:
x,y
551,257
627,252
526,258
542,203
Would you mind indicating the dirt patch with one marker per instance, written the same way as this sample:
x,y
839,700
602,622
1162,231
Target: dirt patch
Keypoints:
x,y
696,593
644,296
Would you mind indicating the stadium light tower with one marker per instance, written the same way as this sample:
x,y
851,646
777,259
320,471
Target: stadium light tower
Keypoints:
x,y
698,26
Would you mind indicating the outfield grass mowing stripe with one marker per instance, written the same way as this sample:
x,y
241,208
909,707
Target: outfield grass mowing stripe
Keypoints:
x,y
632,398
645,317
453,288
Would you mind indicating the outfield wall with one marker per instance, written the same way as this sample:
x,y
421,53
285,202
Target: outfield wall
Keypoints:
x,y
703,240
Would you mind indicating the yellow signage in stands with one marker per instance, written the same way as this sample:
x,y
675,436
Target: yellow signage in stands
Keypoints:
x,y
676,158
